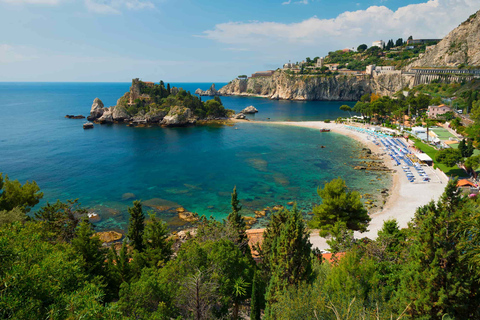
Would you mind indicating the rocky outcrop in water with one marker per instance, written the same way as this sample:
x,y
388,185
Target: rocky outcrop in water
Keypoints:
x,y
250,110
97,110
460,47
210,92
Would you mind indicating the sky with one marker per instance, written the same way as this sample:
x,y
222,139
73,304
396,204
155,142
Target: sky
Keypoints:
x,y
199,41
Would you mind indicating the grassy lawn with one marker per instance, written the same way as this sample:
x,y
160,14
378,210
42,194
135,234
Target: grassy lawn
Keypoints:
x,y
431,151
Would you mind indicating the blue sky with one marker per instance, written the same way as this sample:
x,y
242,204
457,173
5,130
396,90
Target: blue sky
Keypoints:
x,y
187,40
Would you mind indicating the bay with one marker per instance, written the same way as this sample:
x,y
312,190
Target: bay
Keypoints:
x,y
194,167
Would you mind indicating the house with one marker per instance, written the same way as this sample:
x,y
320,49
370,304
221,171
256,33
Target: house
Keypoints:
x,y
434,111
379,43
319,63
373,70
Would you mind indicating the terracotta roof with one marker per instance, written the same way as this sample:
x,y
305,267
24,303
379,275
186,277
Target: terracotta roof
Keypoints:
x,y
464,183
329,256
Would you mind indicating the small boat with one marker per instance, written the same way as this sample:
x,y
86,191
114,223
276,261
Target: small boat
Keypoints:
x,y
88,125
324,130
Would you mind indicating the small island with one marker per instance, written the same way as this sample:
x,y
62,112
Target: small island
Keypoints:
x,y
154,104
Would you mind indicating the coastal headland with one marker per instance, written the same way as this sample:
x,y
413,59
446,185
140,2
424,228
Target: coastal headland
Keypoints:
x,y
404,197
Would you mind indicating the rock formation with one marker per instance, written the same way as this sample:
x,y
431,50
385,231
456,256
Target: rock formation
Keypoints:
x,y
97,110
460,47
250,109
239,116
210,92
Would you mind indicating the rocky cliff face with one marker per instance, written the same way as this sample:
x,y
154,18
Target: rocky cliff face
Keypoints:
x,y
297,87
460,46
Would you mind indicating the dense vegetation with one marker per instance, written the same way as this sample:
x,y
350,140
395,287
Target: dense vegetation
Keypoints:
x,y
53,265
395,53
158,99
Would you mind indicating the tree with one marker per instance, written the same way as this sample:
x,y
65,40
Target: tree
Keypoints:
x,y
362,47
88,247
286,251
60,219
339,205
472,164
169,90
470,149
217,98
434,279
157,246
136,226
345,108
237,225
399,42
462,147
449,156
257,294
15,195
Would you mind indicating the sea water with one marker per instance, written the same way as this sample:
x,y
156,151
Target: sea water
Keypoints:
x,y
109,166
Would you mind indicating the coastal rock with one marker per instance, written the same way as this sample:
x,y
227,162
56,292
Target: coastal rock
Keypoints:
x,y
155,116
239,116
120,114
68,116
109,236
97,110
107,116
249,109
178,116
210,92
309,88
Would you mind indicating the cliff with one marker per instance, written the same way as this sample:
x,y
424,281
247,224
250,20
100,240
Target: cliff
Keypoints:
x,y
304,87
460,47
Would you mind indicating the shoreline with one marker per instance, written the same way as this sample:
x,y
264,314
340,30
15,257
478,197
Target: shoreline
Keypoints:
x,y
403,199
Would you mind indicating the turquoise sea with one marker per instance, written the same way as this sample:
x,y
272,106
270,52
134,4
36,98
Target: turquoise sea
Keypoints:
x,y
195,167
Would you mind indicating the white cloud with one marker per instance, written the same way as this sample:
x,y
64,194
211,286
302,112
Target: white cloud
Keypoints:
x,y
295,2
431,19
115,6
48,2
10,54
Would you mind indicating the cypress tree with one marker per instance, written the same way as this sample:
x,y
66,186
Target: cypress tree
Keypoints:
x,y
168,89
290,260
462,147
469,149
237,224
136,226
255,303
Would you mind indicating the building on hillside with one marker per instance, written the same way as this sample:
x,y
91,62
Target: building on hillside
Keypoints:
x,y
379,43
434,111
267,73
348,50
332,66
422,41
319,63
288,65
373,70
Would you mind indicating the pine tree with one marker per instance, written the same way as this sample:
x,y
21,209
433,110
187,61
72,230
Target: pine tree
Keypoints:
x,y
136,226
88,246
169,91
158,249
237,224
255,302
435,281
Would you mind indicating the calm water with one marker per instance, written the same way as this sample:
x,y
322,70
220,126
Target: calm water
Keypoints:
x,y
195,167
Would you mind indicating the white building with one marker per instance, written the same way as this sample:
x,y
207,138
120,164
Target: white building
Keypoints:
x,y
373,70
319,62
379,43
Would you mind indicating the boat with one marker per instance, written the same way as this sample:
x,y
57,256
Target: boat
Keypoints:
x,y
324,130
88,125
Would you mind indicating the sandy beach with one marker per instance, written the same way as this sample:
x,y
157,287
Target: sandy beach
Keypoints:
x,y
405,197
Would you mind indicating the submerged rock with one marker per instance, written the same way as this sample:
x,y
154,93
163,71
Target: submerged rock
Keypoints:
x,y
188,216
128,196
109,236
